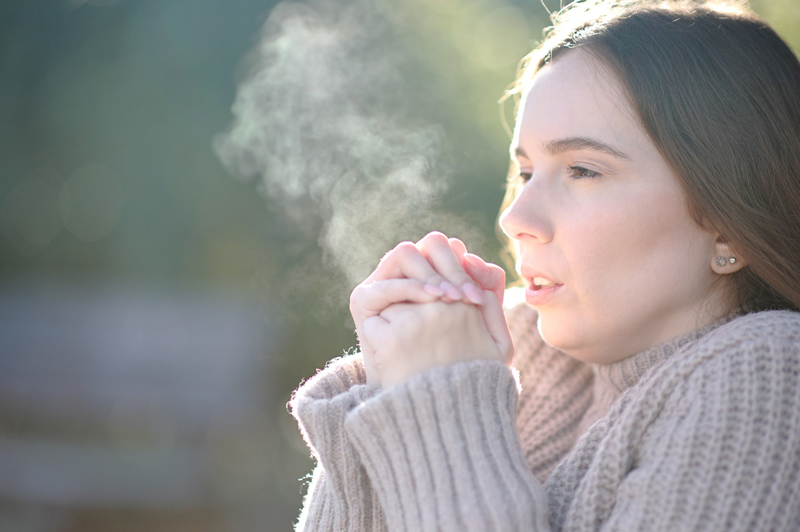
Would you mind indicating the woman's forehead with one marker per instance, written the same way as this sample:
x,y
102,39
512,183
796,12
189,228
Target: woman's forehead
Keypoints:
x,y
575,96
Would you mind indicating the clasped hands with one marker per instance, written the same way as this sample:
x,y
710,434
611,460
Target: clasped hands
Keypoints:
x,y
429,304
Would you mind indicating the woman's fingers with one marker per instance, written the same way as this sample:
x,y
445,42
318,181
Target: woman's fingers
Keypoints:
x,y
403,261
457,246
444,263
437,248
496,325
489,276
370,363
370,299
406,261
410,338
376,328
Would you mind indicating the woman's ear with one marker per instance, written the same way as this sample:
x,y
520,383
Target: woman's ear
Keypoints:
x,y
725,260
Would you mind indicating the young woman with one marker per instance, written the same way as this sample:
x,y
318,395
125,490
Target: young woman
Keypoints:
x,y
654,205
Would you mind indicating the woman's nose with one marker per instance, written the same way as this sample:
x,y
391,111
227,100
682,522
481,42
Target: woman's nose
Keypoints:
x,y
526,217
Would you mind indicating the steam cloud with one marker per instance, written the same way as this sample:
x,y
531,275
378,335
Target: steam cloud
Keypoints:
x,y
321,121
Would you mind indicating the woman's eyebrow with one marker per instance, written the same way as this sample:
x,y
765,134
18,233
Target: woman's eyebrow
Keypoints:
x,y
582,143
517,153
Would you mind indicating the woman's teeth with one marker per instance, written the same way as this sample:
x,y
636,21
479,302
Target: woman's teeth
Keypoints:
x,y
541,282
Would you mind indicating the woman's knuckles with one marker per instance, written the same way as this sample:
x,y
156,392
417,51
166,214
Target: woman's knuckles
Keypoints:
x,y
434,238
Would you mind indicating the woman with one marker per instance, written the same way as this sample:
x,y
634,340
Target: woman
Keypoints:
x,y
654,206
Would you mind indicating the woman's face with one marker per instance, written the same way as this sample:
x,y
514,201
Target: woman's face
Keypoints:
x,y
611,258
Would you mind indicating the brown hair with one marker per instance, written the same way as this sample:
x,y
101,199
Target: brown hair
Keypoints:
x,y
718,92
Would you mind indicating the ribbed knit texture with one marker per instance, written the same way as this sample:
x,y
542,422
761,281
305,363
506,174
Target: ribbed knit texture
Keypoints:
x,y
557,391
699,433
340,495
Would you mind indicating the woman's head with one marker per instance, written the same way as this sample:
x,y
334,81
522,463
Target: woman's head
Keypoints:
x,y
708,93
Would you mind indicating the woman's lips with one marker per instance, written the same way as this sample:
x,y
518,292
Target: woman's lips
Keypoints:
x,y
541,286
539,295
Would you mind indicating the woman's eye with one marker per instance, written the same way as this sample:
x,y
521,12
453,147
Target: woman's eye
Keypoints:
x,y
525,176
579,172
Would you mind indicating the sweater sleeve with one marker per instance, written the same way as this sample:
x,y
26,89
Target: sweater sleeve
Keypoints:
x,y
723,454
442,452
339,496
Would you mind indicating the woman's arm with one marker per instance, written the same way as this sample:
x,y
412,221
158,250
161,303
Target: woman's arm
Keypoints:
x,y
442,452
340,497
439,444
324,401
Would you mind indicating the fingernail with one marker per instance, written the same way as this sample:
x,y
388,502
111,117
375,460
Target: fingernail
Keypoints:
x,y
451,291
474,294
433,290
476,262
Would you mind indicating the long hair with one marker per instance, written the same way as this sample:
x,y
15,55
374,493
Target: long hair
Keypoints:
x,y
718,92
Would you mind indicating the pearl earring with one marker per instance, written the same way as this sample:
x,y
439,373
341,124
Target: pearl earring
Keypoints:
x,y
732,260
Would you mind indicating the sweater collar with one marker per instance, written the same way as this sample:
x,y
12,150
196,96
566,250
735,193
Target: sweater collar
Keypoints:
x,y
625,373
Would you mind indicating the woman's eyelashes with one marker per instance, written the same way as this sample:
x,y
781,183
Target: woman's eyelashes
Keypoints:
x,y
579,172
575,172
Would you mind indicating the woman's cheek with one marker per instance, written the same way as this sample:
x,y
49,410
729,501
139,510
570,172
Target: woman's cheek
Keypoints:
x,y
595,287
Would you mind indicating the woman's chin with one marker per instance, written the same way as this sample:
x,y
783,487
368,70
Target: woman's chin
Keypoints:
x,y
553,332
569,337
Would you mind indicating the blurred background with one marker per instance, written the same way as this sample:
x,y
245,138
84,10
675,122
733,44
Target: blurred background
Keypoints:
x,y
189,189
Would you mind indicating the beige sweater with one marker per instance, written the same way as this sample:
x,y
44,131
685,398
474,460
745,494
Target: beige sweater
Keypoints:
x,y
700,433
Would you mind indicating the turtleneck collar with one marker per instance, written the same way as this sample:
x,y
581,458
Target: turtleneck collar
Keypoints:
x,y
623,374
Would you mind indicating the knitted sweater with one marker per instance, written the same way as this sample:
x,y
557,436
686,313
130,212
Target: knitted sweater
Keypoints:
x,y
699,433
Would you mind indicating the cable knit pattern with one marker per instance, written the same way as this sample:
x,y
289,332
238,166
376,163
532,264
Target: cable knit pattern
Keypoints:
x,y
699,433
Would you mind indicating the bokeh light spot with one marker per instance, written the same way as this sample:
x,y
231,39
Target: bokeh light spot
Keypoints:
x,y
33,212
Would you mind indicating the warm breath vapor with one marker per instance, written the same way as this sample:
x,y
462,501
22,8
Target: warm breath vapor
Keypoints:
x,y
322,120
